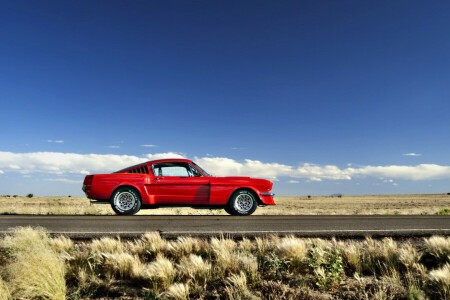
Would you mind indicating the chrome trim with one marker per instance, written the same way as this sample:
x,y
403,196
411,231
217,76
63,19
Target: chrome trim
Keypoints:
x,y
267,194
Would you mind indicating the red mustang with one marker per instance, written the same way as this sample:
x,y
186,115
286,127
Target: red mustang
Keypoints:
x,y
176,182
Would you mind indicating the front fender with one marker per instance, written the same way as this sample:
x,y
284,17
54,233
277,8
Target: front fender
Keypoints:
x,y
263,198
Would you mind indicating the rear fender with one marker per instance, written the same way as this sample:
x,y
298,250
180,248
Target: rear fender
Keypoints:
x,y
140,189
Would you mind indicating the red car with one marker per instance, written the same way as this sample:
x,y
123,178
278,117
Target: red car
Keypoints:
x,y
177,182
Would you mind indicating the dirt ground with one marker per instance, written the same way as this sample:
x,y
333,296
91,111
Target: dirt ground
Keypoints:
x,y
316,205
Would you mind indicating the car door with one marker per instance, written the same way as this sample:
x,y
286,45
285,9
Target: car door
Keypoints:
x,y
175,184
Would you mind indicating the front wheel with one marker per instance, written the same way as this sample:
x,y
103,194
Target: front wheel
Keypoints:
x,y
242,203
126,201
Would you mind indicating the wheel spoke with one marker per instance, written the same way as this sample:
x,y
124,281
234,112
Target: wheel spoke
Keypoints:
x,y
124,201
243,203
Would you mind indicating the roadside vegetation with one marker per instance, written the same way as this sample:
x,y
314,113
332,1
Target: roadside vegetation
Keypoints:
x,y
308,205
34,265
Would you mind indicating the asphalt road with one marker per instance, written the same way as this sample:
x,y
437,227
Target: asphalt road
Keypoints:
x,y
172,226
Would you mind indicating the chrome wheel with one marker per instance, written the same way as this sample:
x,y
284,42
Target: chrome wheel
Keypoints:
x,y
124,201
243,203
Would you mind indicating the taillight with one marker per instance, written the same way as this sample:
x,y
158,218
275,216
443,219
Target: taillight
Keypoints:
x,y
88,179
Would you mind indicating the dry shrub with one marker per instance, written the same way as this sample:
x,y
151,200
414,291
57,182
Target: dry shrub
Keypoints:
x,y
236,287
246,245
62,244
35,269
380,256
178,291
222,245
25,238
123,265
223,250
154,243
249,264
184,246
352,254
409,256
262,246
161,272
293,249
107,245
438,247
439,282
196,269
5,294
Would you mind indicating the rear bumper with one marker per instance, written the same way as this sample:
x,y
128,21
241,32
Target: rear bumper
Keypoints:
x,y
267,198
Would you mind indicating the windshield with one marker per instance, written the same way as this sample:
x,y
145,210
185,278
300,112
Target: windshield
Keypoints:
x,y
198,167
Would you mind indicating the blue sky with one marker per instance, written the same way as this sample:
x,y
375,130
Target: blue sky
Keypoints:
x,y
285,83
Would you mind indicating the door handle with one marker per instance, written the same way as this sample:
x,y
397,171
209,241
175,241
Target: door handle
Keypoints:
x,y
157,178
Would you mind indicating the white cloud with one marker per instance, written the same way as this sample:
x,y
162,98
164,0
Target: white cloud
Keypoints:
x,y
56,141
318,172
65,180
412,154
149,146
418,172
113,147
293,181
72,163
61,163
1,172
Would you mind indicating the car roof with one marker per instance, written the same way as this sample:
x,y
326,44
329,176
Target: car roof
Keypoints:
x,y
151,162
167,160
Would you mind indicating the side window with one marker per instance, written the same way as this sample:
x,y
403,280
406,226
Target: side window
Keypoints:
x,y
174,171
178,169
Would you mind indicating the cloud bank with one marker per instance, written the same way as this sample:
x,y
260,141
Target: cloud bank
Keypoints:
x,y
72,163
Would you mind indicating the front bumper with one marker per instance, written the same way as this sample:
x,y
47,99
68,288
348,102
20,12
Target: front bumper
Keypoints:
x,y
267,198
267,194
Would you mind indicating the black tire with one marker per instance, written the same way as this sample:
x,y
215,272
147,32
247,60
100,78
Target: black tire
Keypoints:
x,y
242,203
126,201
227,209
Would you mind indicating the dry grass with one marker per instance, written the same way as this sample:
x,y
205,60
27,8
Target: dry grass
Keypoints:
x,y
37,266
195,269
439,247
178,291
294,249
440,280
35,269
316,205
5,294
161,272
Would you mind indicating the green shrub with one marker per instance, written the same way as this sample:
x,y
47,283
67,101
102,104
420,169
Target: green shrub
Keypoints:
x,y
443,212
327,267
275,265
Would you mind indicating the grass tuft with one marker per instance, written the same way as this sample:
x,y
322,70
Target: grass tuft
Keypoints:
x,y
5,293
107,245
194,268
438,247
294,249
439,281
178,291
35,269
161,272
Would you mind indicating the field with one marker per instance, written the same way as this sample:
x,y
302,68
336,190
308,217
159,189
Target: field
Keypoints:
x,y
34,265
315,205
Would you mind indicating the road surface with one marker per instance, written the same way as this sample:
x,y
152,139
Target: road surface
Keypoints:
x,y
172,226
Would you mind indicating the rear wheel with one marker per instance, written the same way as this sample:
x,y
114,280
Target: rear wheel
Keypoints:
x,y
242,203
126,201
